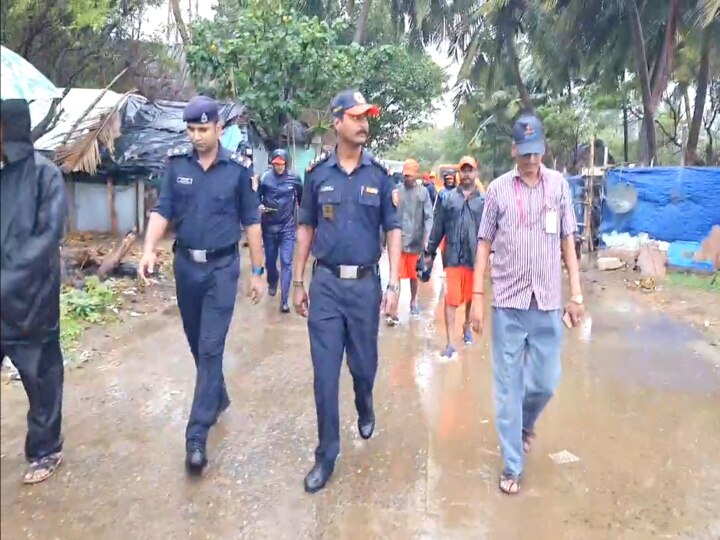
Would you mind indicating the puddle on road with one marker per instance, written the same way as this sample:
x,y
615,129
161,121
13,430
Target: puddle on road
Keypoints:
x,y
649,348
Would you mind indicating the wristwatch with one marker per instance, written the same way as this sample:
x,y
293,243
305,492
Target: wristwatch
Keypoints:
x,y
577,299
394,288
258,270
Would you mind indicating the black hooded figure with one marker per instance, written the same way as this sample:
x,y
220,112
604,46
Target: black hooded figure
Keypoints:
x,y
32,218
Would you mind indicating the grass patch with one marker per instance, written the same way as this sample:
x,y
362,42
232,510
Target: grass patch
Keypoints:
x,y
694,281
80,308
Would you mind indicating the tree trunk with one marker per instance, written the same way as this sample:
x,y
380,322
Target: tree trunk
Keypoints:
x,y
709,149
361,28
517,76
625,131
177,15
665,63
648,150
700,97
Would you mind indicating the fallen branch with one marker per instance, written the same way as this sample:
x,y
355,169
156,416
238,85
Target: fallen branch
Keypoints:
x,y
115,257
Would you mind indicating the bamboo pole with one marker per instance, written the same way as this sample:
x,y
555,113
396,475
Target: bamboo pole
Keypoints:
x,y
92,106
589,190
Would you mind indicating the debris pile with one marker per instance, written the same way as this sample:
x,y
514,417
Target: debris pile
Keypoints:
x,y
103,256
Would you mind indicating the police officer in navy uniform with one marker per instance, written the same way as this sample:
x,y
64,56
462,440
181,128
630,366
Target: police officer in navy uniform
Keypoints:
x,y
206,193
279,192
348,196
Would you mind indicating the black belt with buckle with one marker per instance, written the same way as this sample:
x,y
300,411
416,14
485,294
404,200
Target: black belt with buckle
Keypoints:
x,y
204,255
349,271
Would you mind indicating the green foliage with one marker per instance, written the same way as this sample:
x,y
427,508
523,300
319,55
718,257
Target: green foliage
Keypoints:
x,y
694,281
72,15
404,83
82,307
281,64
565,128
429,146
274,60
82,43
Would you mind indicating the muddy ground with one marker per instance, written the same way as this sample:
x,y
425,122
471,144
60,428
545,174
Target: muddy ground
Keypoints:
x,y
639,405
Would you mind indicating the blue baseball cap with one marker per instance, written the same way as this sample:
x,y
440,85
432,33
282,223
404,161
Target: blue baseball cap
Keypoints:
x,y
528,135
352,102
201,110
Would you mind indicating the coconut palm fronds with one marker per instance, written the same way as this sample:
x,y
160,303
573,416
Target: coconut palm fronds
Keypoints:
x,y
81,153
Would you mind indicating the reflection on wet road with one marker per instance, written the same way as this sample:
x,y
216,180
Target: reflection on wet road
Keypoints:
x,y
639,405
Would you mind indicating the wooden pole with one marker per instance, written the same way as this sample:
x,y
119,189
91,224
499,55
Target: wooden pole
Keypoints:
x,y
589,189
71,132
72,204
140,208
111,206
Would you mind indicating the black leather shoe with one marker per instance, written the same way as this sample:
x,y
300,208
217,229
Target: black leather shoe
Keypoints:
x,y
366,427
272,291
196,460
318,477
366,421
285,308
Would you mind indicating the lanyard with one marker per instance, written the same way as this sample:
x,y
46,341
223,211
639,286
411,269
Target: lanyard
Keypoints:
x,y
519,199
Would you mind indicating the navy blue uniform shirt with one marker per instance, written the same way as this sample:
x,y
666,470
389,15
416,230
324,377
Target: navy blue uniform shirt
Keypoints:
x,y
282,192
207,207
348,209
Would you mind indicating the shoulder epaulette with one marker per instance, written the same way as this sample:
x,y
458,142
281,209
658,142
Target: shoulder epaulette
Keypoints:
x,y
182,150
324,156
380,164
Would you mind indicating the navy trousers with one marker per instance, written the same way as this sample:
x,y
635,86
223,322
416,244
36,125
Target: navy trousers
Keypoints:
x,y
279,242
344,317
206,295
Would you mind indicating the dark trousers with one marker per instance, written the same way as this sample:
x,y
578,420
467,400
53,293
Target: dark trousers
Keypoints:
x,y
40,365
206,297
344,317
280,242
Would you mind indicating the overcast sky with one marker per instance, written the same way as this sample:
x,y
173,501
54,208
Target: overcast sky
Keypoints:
x,y
157,18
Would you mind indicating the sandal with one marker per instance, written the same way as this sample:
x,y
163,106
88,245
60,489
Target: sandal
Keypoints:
x,y
43,468
509,483
528,437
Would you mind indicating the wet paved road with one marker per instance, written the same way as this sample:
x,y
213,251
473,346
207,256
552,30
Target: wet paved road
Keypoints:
x,y
639,404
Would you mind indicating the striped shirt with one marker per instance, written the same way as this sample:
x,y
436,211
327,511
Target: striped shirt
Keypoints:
x,y
524,226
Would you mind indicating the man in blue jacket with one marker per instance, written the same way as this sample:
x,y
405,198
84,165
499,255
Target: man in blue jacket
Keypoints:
x,y
280,194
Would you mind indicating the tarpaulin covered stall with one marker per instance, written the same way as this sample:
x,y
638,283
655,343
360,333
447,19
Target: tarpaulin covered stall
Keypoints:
x,y
673,203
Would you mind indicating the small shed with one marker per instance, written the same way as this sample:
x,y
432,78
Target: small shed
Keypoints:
x,y
113,148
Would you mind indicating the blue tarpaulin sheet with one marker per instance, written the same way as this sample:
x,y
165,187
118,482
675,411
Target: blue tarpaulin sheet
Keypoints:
x,y
681,255
674,203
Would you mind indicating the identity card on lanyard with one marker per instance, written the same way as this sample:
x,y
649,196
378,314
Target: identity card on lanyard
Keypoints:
x,y
551,221
551,215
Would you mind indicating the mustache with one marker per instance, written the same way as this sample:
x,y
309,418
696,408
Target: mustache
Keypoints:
x,y
362,132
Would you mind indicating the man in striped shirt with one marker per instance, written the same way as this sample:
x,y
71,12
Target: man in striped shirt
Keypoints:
x,y
530,224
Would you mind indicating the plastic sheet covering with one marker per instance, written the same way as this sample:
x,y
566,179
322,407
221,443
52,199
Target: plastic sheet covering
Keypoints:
x,y
149,131
674,203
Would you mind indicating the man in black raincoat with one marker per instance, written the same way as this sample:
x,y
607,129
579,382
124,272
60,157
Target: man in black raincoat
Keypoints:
x,y
32,217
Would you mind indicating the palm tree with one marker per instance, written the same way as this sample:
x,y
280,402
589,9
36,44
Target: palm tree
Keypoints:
x,y
605,31
709,11
709,18
426,18
490,38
